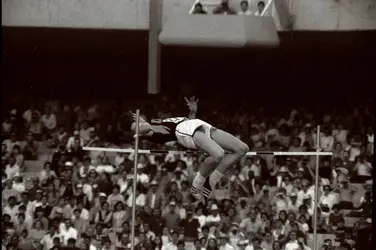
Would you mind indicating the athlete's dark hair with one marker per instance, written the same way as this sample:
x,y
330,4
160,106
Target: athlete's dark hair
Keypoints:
x,y
125,122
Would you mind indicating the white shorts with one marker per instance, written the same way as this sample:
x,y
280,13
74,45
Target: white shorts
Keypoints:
x,y
185,130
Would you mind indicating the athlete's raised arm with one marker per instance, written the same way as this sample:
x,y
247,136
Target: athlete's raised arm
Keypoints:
x,y
192,105
127,123
145,128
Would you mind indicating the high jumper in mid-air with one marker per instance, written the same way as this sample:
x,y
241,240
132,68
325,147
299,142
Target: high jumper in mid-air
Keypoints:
x,y
193,133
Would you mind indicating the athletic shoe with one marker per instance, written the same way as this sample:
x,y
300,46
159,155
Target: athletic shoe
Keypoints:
x,y
207,189
196,194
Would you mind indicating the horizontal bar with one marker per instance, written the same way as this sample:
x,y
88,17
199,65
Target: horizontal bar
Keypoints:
x,y
146,151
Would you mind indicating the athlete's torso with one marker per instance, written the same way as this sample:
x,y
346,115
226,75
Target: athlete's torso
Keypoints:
x,y
171,123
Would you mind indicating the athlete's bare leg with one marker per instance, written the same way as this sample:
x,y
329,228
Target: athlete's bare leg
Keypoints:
x,y
237,149
216,155
215,148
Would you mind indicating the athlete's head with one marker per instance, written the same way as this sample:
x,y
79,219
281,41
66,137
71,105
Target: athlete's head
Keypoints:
x,y
125,121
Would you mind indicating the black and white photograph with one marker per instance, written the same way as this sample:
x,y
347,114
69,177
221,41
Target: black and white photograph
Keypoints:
x,y
188,124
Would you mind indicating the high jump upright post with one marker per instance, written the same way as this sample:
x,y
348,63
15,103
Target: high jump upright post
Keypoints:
x,y
316,188
136,140
154,47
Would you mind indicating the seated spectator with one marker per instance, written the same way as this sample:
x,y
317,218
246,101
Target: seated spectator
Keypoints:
x,y
198,9
338,151
340,231
36,126
334,217
7,127
354,148
370,140
10,143
327,200
11,169
224,8
18,156
27,115
326,140
365,208
362,170
37,232
18,183
346,193
244,8
30,147
49,121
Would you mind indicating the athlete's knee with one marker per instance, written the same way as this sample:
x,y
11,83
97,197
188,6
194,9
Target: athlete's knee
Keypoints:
x,y
242,149
217,156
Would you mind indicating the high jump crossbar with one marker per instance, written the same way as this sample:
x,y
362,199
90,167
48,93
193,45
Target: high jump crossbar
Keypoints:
x,y
150,151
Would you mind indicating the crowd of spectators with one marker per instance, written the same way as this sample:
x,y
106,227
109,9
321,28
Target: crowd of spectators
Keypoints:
x,y
225,7
83,200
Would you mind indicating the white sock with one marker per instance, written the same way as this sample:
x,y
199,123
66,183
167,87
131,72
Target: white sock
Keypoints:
x,y
198,181
214,178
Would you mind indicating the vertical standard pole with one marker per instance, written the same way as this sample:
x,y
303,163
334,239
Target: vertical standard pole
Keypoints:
x,y
316,188
136,138
154,48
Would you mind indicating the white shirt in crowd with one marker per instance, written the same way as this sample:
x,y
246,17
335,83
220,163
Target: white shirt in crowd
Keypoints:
x,y
310,192
370,145
211,218
245,13
47,241
143,178
71,140
363,168
66,234
227,246
340,135
329,200
88,190
105,169
256,168
10,144
20,187
11,171
84,215
326,143
49,121
169,246
140,200
82,170
250,247
119,159
292,245
354,152
28,115
201,219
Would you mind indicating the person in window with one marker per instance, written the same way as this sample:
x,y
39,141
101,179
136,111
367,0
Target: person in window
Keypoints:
x,y
260,8
198,9
224,8
244,9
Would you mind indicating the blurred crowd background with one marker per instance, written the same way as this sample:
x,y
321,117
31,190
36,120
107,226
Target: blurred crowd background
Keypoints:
x,y
57,196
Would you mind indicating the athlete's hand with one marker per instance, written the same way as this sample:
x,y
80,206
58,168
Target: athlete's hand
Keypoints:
x,y
160,129
141,120
191,103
